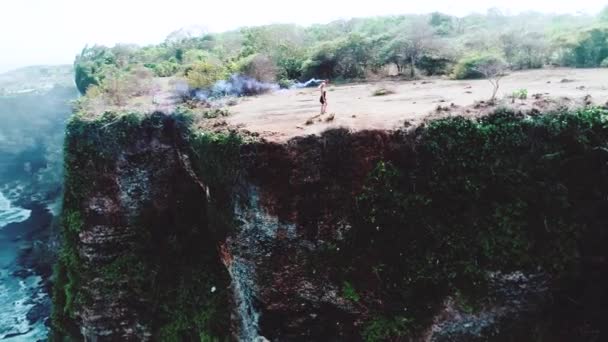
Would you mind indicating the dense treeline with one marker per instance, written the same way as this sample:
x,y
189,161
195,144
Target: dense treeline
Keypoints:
x,y
408,45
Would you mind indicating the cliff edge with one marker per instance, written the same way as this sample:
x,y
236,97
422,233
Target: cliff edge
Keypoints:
x,y
460,229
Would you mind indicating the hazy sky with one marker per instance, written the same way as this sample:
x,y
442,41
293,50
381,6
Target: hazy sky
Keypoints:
x,y
54,31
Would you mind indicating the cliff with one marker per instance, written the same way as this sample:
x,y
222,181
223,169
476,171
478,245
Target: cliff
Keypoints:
x,y
457,230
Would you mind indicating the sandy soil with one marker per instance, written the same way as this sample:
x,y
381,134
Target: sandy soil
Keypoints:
x,y
283,115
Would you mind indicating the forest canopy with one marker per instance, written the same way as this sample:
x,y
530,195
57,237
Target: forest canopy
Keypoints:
x,y
361,48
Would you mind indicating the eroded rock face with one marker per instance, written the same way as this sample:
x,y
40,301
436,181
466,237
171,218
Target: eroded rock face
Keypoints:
x,y
293,202
281,271
143,178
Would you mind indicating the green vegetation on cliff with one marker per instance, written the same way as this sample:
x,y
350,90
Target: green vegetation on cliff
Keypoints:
x,y
455,201
502,193
166,265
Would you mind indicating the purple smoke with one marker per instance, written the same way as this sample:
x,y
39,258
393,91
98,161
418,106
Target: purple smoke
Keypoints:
x,y
310,83
237,85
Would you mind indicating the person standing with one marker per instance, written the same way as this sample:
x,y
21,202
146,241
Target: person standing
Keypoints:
x,y
323,98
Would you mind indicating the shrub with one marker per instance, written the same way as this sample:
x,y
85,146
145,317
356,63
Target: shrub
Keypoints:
x,y
433,65
286,84
604,63
203,74
520,94
259,67
383,329
468,67
164,68
591,49
349,292
382,91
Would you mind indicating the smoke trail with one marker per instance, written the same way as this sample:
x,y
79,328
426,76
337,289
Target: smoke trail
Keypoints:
x,y
310,83
237,85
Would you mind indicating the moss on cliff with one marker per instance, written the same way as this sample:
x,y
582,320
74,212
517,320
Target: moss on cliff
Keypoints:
x,y
501,193
446,205
168,269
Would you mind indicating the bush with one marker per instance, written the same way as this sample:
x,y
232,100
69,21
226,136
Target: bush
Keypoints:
x,y
349,292
259,67
322,63
203,74
591,49
604,63
520,94
386,329
382,91
433,65
164,68
286,84
467,68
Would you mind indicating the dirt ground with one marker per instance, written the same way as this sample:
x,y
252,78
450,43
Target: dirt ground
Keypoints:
x,y
284,114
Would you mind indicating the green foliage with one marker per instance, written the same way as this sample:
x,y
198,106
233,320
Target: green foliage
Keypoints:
x,y
215,113
433,65
322,62
90,66
286,84
217,157
521,94
167,266
164,68
591,49
382,91
259,67
353,49
443,23
469,67
386,329
498,193
204,74
524,50
349,292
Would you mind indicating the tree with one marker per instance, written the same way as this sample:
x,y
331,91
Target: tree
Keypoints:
x,y
89,66
353,56
289,59
493,69
395,52
322,62
524,50
259,67
443,23
591,49
419,39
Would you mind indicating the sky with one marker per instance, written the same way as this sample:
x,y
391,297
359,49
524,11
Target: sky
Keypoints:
x,y
54,31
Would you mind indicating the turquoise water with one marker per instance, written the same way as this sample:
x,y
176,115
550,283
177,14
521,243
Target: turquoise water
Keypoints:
x,y
11,214
19,295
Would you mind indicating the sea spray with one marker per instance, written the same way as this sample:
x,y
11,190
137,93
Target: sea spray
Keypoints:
x,y
11,214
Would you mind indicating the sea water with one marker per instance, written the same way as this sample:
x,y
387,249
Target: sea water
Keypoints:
x,y
18,295
11,214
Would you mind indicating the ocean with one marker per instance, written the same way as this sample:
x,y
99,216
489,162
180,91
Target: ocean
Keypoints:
x,y
23,299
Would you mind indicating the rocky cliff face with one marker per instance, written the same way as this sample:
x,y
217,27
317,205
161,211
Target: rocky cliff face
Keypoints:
x,y
453,232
